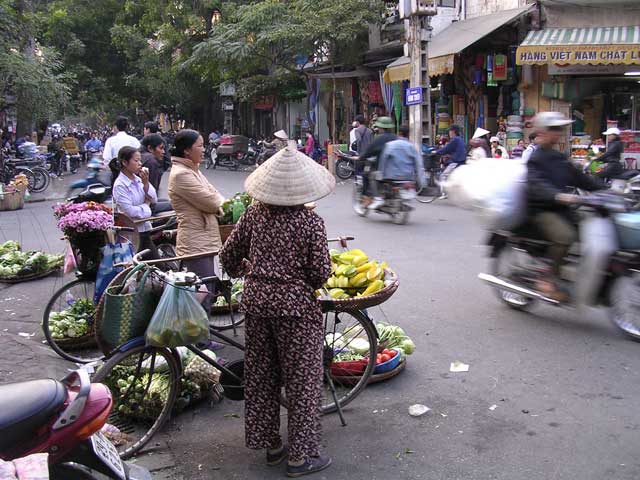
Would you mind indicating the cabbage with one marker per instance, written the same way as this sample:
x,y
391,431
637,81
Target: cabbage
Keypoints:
x,y
359,345
407,346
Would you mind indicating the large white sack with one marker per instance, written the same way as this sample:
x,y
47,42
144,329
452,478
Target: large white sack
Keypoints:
x,y
494,188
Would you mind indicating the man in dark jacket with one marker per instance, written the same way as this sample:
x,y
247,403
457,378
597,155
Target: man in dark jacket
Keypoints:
x,y
613,156
549,174
363,134
456,148
370,157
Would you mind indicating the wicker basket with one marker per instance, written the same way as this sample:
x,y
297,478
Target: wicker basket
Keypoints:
x,y
360,303
26,278
12,201
225,231
87,251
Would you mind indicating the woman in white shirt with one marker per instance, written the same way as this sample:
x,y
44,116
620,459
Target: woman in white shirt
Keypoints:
x,y
133,194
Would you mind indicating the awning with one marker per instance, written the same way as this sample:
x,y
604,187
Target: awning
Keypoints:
x,y
460,35
581,46
453,39
358,72
398,70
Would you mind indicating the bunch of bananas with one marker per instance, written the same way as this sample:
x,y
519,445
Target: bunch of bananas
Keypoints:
x,y
353,274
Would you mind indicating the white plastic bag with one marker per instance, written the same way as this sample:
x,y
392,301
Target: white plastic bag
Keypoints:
x,y
494,188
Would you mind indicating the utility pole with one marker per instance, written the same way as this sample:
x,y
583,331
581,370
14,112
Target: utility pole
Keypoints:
x,y
419,13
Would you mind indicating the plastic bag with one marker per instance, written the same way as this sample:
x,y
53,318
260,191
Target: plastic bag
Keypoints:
x,y
112,253
494,188
179,319
69,260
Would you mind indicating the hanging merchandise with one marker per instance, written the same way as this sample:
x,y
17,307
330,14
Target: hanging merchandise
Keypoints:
x,y
375,93
398,94
500,67
477,77
515,101
500,109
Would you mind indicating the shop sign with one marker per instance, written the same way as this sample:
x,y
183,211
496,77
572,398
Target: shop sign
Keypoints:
x,y
264,103
227,106
227,89
591,69
579,55
413,96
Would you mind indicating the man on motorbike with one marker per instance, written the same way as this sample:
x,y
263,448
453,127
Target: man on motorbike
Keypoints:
x,y
612,157
371,155
399,161
280,140
550,173
456,149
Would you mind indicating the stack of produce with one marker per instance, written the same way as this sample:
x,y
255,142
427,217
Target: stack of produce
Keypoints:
x,y
515,133
15,263
234,207
197,384
237,288
353,275
72,322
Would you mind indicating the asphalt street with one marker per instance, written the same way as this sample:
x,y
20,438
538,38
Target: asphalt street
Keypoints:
x,y
550,394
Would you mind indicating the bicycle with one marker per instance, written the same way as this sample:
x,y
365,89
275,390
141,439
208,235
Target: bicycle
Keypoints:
x,y
145,367
81,292
41,174
9,170
432,188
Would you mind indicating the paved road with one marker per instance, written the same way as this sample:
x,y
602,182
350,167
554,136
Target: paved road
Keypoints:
x,y
565,385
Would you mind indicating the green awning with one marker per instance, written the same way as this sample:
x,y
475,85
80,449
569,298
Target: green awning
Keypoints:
x,y
575,46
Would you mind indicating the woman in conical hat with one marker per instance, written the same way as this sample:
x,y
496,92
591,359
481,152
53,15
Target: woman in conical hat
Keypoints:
x,y
280,248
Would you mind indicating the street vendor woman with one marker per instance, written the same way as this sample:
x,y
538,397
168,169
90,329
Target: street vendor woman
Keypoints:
x,y
281,249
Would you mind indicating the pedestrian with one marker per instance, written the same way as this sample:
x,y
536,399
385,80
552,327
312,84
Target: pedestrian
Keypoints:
x,y
363,135
133,193
526,155
152,149
479,146
196,203
121,139
310,145
281,249
497,150
518,150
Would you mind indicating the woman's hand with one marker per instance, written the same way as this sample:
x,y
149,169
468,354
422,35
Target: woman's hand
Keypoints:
x,y
144,176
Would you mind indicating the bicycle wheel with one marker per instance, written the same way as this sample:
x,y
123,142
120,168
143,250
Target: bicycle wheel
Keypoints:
x,y
347,333
430,191
68,322
31,178
144,382
226,317
41,180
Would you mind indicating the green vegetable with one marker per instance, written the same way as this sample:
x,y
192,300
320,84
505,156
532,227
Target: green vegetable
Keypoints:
x,y
391,336
9,246
359,345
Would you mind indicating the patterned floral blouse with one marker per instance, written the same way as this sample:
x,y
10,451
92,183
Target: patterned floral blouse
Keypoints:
x,y
282,253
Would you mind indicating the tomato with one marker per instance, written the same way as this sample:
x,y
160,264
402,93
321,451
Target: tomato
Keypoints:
x,y
392,353
378,358
387,351
385,358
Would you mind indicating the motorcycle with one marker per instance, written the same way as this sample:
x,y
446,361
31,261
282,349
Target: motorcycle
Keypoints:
x,y
264,153
397,196
345,164
64,419
232,152
93,193
602,273
97,174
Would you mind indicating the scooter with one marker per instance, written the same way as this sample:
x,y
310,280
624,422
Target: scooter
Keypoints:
x,y
345,165
64,419
93,193
97,173
232,152
265,153
603,273
397,194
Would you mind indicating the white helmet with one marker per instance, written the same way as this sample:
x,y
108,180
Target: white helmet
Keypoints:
x,y
550,119
612,131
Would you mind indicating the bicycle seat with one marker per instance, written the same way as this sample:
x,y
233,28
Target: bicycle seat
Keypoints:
x,y
26,406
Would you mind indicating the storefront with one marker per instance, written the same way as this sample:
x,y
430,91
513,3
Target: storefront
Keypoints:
x,y
591,74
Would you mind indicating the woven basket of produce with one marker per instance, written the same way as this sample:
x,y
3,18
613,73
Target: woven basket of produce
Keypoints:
x,y
225,231
356,282
74,327
12,200
17,266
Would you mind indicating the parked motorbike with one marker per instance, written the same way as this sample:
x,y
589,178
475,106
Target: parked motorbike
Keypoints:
x,y
265,152
603,273
397,195
64,419
345,165
93,193
97,174
232,152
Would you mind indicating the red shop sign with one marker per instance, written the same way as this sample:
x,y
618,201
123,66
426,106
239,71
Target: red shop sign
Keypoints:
x,y
264,103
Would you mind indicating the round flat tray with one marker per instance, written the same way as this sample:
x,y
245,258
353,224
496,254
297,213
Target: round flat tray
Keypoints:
x,y
375,378
26,278
360,303
222,310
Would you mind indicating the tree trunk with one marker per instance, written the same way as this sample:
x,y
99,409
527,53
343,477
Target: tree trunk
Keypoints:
x,y
312,124
333,101
25,120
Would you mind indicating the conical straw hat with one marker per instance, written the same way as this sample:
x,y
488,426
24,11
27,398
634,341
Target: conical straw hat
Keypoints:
x,y
289,178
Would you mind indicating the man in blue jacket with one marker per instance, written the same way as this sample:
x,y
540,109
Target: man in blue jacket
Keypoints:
x,y
456,149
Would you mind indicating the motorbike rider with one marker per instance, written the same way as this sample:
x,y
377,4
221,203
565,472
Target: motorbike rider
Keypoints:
x,y
280,140
611,158
362,134
399,160
57,148
549,173
456,149
370,156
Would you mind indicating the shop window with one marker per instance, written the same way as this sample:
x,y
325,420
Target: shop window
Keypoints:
x,y
447,3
